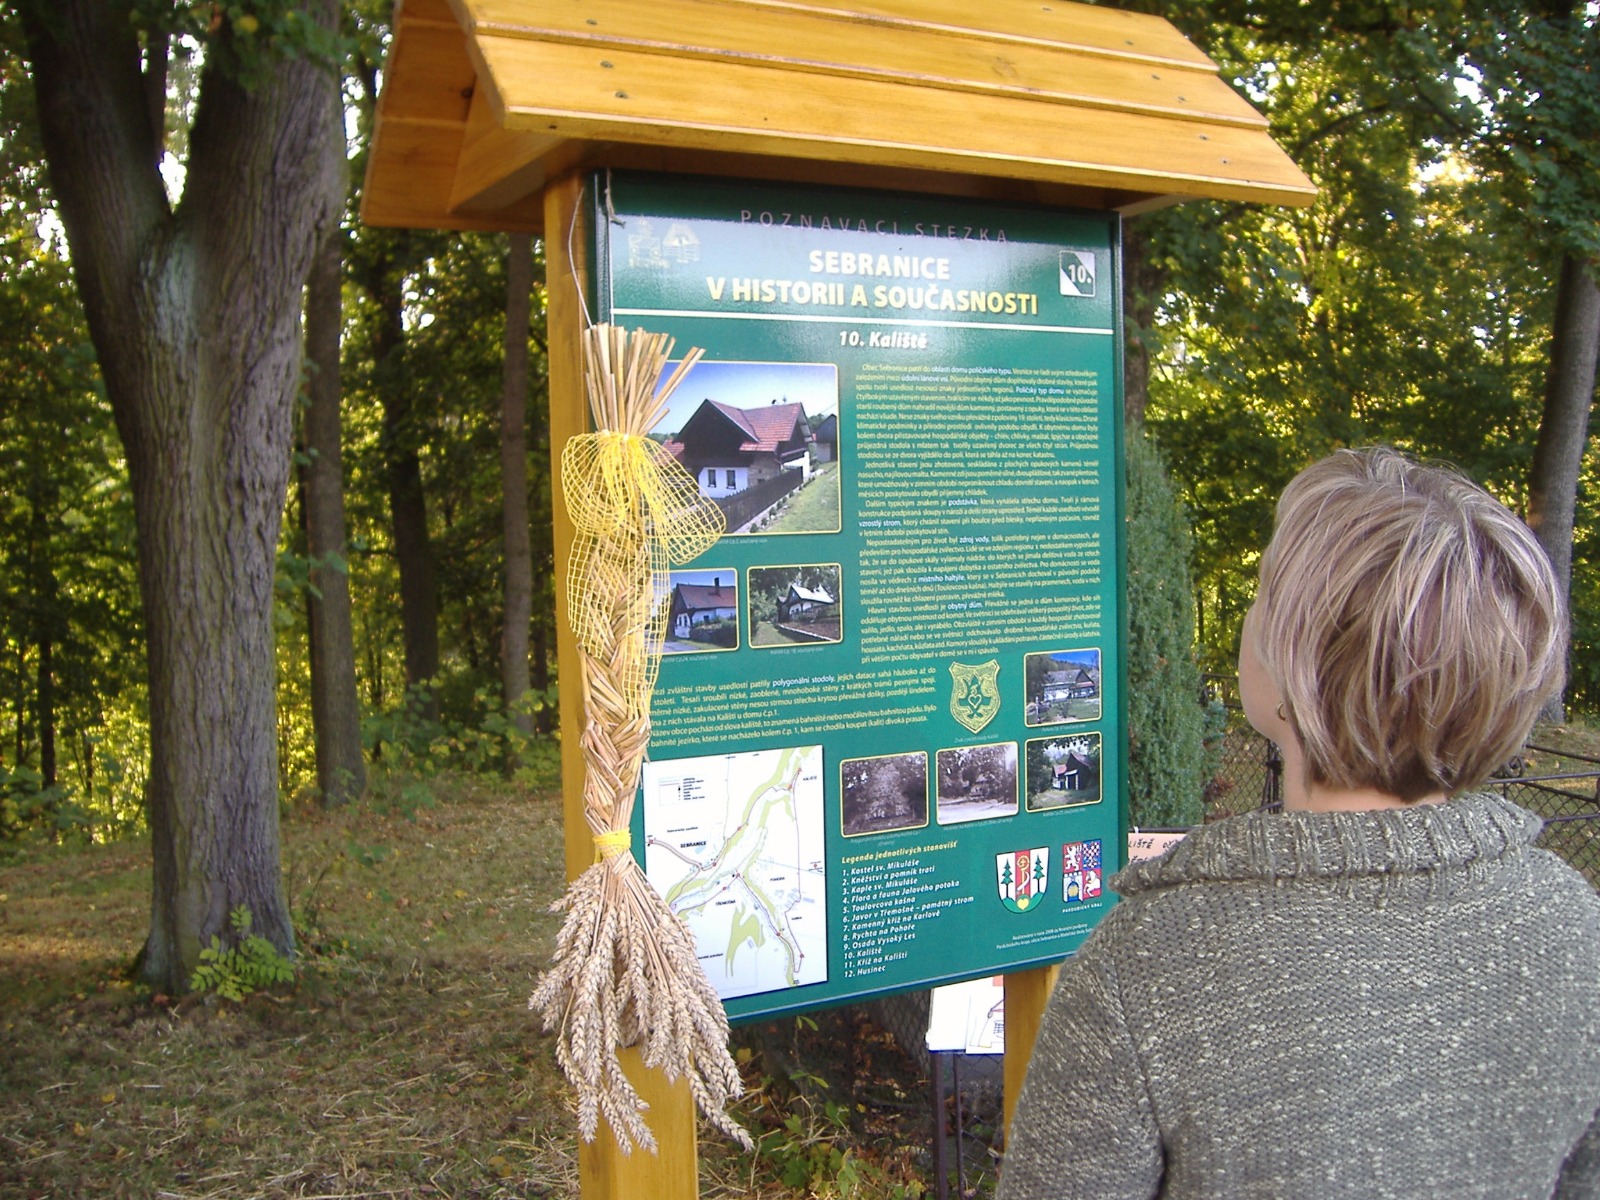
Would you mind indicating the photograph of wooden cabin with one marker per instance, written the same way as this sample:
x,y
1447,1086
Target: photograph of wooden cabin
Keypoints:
x,y
795,606
1063,772
748,433
877,795
976,783
1061,686
702,611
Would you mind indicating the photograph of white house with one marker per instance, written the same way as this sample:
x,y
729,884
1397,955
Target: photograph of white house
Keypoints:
x,y
729,450
1062,686
748,434
795,605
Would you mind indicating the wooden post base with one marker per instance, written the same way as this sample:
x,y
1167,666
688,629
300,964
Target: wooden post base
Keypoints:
x,y
1026,994
673,1172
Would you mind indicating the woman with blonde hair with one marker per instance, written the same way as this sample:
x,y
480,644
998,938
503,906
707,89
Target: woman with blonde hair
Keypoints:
x,y
1384,990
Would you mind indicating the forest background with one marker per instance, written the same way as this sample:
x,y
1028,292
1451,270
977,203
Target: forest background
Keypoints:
x,y
1439,296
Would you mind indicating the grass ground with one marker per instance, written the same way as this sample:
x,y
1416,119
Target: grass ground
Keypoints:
x,y
768,634
1060,798
1069,710
403,1063
812,508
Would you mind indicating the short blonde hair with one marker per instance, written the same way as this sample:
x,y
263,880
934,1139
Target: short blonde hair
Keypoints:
x,y
1413,626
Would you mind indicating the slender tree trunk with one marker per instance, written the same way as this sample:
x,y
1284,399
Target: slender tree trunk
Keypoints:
x,y
419,583
335,705
408,505
514,483
43,606
47,713
195,319
19,708
1563,429
1139,293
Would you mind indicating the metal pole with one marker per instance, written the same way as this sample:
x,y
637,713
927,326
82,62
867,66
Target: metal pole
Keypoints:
x,y
940,1149
955,1086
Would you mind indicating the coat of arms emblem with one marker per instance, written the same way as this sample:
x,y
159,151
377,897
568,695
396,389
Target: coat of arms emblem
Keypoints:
x,y
975,693
1022,877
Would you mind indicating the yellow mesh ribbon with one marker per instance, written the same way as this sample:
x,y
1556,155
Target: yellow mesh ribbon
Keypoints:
x,y
636,511
612,843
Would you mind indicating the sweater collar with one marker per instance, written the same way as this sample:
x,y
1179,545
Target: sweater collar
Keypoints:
x,y
1467,830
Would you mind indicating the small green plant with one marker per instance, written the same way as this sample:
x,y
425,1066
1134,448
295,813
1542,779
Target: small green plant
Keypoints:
x,y
233,972
814,1150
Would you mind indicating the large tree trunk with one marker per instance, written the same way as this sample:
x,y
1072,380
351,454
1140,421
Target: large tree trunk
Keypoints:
x,y
195,317
335,706
514,482
1563,429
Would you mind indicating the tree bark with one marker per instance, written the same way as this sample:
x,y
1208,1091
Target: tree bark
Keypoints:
x,y
194,314
514,483
1563,429
335,705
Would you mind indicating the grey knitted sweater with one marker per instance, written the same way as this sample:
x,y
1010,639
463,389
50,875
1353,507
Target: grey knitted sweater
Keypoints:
x,y
1379,1004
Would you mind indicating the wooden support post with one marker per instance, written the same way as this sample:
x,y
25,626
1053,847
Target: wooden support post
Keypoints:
x,y
1026,994
606,1173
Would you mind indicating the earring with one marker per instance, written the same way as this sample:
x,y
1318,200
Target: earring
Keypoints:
x,y
1282,716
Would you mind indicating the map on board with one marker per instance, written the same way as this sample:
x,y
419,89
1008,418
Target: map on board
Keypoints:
x,y
735,844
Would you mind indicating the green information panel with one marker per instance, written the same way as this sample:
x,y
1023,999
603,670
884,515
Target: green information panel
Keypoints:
x,y
888,742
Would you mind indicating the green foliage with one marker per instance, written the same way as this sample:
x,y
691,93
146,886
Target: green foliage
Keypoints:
x,y
812,1151
251,963
1536,63
28,805
409,749
1166,720
1410,305
721,632
71,645
244,38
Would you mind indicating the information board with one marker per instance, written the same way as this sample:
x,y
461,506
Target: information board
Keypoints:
x,y
887,745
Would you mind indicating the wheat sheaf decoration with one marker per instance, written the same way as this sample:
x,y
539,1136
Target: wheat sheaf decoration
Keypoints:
x,y
624,972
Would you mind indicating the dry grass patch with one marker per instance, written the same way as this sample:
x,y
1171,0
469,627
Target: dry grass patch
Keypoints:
x,y
403,1064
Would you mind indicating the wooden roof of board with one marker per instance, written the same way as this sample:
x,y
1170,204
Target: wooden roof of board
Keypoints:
x,y
486,100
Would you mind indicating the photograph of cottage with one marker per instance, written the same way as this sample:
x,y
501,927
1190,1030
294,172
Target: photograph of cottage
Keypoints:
x,y
879,795
1061,686
761,440
702,611
795,606
976,783
1063,772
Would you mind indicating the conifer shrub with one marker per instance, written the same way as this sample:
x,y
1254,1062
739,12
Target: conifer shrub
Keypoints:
x,y
1166,715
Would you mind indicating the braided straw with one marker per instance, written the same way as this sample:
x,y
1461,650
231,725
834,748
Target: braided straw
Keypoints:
x,y
625,971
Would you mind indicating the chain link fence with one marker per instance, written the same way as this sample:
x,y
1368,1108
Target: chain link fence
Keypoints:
x,y
1247,772
1562,786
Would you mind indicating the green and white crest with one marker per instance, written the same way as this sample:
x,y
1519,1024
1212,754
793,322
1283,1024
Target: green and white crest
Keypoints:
x,y
975,693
